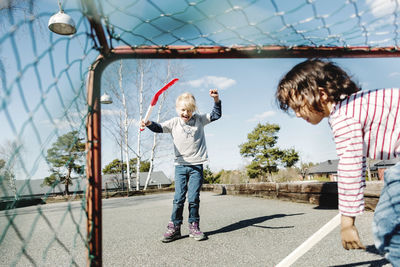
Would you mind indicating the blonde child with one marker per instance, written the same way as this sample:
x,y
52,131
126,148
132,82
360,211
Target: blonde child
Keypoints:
x,y
187,131
364,124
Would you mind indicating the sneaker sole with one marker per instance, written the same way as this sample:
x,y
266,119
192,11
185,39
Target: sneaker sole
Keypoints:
x,y
198,238
170,240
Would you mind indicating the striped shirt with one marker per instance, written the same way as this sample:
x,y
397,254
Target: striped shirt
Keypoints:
x,y
366,124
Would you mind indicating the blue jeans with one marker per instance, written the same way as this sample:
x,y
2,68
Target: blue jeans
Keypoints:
x,y
386,225
188,179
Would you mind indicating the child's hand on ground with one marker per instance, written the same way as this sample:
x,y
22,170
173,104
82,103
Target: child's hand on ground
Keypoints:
x,y
214,94
349,234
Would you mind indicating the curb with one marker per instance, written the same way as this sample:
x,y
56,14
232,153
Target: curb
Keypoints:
x,y
323,194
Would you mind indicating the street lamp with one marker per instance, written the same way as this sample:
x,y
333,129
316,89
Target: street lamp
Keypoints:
x,y
106,99
62,23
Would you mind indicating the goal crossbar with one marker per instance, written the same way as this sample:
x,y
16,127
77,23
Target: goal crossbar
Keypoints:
x,y
255,52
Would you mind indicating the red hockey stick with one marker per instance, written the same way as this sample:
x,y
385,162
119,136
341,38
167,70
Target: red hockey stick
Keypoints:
x,y
155,99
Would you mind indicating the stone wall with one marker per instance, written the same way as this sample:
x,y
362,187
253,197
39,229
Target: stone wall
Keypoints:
x,y
323,194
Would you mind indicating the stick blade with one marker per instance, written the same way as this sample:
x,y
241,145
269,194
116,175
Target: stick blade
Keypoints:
x,y
162,90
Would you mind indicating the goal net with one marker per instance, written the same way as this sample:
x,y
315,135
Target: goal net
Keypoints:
x,y
51,86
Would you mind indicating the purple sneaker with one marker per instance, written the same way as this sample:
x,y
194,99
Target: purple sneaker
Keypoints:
x,y
173,232
194,231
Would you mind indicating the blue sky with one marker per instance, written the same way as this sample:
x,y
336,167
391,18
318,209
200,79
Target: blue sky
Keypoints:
x,y
251,100
247,87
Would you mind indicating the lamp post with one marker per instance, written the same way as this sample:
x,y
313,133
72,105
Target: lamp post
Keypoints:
x,y
106,99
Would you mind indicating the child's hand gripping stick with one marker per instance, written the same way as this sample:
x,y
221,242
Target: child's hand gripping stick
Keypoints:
x,y
155,99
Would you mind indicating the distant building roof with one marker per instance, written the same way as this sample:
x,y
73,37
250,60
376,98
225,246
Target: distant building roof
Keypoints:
x,y
329,166
34,186
157,178
386,163
372,164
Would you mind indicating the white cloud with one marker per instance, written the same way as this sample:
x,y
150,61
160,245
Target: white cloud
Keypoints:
x,y
262,116
77,120
115,113
394,74
380,8
72,120
210,82
63,124
110,112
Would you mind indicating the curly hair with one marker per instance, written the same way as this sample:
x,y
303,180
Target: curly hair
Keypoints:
x,y
301,85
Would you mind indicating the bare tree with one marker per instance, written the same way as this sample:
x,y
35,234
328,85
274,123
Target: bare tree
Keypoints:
x,y
14,11
11,8
118,126
117,133
126,124
161,149
9,157
142,68
138,80
168,76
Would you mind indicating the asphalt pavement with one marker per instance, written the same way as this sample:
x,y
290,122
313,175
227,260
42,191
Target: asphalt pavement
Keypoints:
x,y
242,231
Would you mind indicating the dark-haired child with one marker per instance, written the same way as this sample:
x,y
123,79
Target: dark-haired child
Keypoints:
x,y
364,124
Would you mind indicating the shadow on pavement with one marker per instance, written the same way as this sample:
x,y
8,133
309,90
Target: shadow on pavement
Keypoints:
x,y
251,222
376,263
372,249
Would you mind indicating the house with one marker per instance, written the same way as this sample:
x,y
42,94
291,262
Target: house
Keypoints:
x,y
381,166
33,187
328,168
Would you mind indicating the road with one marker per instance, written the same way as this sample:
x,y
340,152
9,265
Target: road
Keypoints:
x,y
242,231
